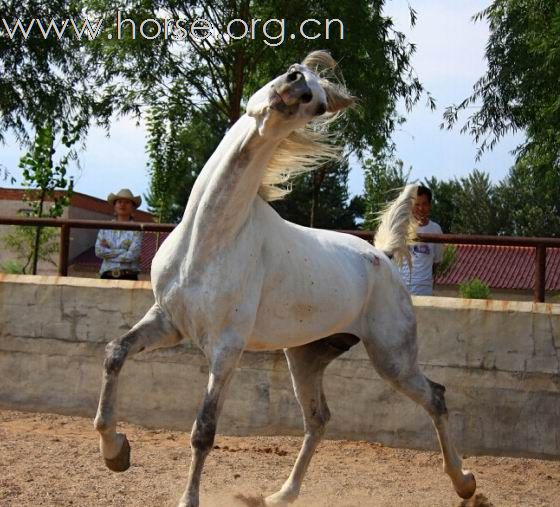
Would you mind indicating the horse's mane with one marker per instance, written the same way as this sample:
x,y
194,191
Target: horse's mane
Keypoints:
x,y
311,147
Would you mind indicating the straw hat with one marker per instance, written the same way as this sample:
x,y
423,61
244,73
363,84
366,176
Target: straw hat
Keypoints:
x,y
124,193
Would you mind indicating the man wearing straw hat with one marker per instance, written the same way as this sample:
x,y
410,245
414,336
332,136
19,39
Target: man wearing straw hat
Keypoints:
x,y
120,249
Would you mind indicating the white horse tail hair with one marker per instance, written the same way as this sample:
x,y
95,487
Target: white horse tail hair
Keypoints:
x,y
397,226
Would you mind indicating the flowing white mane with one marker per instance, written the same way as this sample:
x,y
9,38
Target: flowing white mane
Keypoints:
x,y
309,148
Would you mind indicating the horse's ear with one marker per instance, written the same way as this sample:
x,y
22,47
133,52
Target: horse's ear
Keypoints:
x,y
319,61
337,97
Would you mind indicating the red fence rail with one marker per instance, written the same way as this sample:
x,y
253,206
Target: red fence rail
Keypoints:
x,y
539,244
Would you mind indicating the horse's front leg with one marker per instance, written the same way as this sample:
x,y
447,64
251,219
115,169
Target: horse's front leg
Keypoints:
x,y
223,360
153,331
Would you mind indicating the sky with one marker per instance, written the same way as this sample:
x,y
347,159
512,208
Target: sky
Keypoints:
x,y
448,61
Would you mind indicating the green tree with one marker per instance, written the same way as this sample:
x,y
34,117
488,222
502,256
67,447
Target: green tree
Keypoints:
x,y
384,178
528,199
44,76
467,205
42,177
178,148
22,241
327,209
215,76
444,202
519,92
476,207
519,89
221,72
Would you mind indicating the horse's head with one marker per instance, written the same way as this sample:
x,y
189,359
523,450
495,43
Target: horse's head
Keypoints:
x,y
298,96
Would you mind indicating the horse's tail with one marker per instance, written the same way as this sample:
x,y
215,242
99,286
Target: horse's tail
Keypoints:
x,y
397,226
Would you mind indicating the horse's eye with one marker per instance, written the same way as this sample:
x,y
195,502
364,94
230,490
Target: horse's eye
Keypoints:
x,y
321,109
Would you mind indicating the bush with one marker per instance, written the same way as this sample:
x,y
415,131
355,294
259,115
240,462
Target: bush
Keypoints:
x,y
474,289
449,258
12,267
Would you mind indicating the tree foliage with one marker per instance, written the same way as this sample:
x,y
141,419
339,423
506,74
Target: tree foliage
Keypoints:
x,y
221,72
444,202
190,87
178,148
519,89
331,209
528,199
43,177
524,203
192,90
519,92
448,260
476,205
22,242
46,77
384,178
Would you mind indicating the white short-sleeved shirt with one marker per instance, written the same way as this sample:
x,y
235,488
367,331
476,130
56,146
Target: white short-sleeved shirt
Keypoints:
x,y
424,256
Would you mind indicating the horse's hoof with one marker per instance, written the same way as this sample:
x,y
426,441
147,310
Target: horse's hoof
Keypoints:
x,y
121,461
280,499
467,489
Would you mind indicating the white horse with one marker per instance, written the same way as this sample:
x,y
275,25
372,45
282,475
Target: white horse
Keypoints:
x,y
234,276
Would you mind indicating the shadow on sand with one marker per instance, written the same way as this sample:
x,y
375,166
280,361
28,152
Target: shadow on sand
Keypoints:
x,y
250,501
476,501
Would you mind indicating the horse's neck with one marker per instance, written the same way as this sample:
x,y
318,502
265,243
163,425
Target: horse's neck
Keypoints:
x,y
226,188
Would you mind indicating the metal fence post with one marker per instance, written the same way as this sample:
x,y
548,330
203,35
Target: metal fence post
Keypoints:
x,y
540,272
64,248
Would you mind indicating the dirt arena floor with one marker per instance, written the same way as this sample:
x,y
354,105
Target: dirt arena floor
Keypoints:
x,y
51,460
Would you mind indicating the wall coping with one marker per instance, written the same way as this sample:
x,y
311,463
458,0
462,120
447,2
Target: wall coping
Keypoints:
x,y
491,305
74,281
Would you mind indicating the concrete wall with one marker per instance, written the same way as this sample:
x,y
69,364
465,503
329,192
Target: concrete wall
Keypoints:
x,y
500,362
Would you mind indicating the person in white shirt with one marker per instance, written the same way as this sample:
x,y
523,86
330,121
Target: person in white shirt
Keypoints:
x,y
425,256
120,250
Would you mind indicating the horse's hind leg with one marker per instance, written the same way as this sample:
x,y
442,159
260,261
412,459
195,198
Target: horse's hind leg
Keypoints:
x,y
307,365
153,331
398,366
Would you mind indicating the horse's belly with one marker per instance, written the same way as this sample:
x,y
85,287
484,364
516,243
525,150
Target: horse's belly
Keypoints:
x,y
297,328
288,317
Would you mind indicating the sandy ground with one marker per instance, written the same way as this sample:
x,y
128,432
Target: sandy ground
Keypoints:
x,y
51,460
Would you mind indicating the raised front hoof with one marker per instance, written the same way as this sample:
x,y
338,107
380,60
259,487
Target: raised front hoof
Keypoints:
x,y
467,486
121,461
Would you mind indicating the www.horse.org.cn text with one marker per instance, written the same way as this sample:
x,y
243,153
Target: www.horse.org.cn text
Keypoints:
x,y
272,32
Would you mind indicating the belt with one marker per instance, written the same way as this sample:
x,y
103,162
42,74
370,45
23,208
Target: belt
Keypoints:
x,y
118,272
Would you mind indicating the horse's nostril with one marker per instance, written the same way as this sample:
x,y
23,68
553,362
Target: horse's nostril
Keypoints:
x,y
306,97
293,76
322,109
